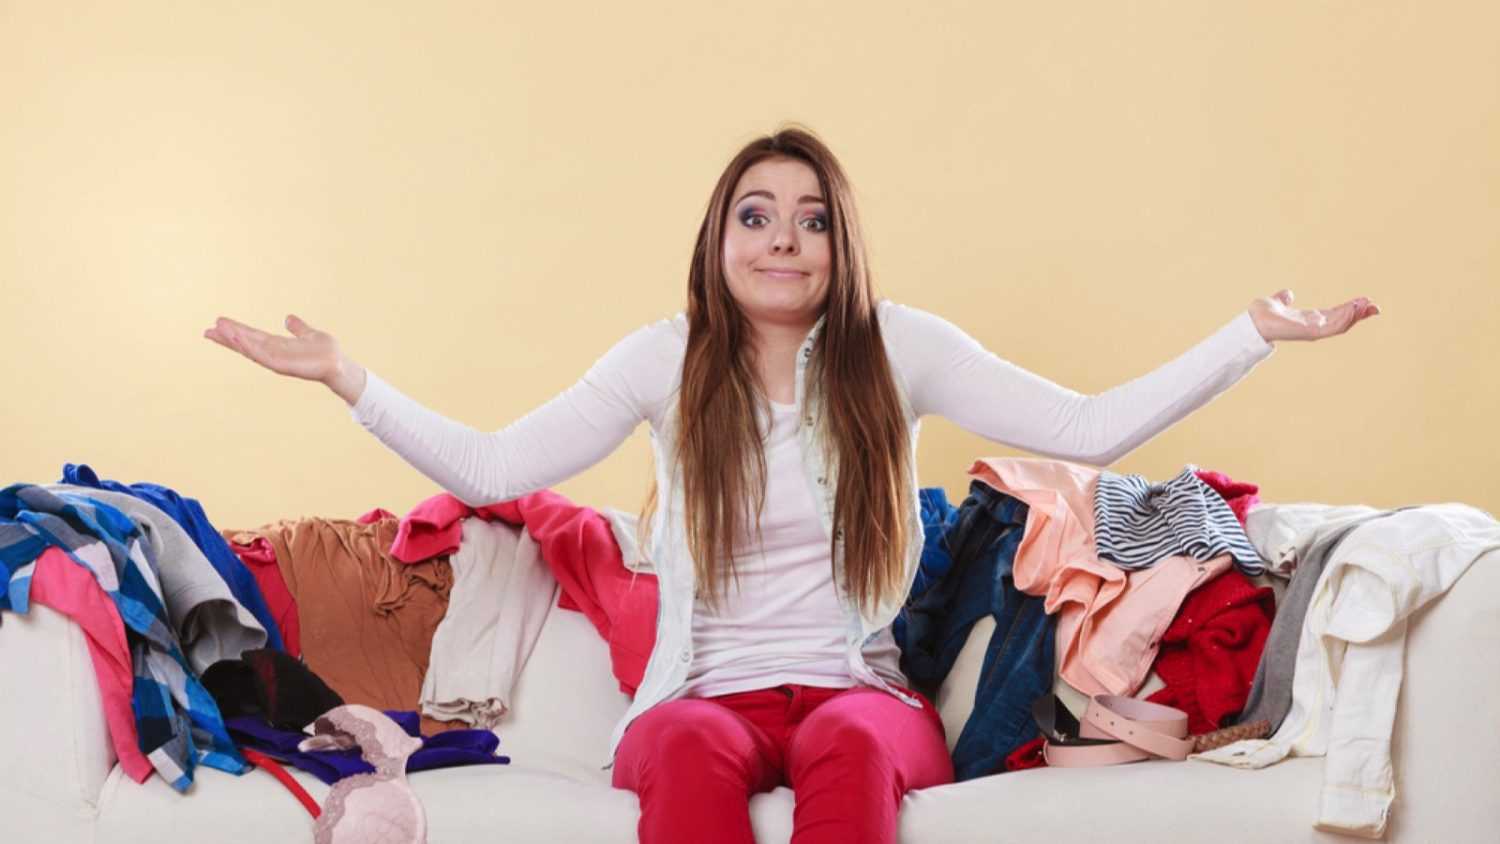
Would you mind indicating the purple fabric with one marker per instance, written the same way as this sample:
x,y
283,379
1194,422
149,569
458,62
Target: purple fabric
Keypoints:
x,y
444,750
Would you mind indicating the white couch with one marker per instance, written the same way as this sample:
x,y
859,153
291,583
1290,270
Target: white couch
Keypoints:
x,y
59,781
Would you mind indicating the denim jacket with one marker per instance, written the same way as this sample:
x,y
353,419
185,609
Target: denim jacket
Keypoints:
x,y
667,669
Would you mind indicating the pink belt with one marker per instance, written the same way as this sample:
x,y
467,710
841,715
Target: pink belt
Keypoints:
x,y
1114,730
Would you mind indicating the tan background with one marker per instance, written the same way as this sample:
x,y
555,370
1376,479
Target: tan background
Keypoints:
x,y
480,199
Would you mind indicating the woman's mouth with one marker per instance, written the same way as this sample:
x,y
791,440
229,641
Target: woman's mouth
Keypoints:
x,y
789,275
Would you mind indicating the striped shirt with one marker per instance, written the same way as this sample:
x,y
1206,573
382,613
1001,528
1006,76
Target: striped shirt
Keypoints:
x,y
1137,522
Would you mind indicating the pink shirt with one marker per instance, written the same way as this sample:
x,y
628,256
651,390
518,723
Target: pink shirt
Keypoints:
x,y
69,588
1109,621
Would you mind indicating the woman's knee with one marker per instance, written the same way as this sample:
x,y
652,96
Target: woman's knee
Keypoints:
x,y
689,738
904,749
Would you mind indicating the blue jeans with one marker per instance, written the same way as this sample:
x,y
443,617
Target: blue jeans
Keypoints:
x,y
1018,663
937,516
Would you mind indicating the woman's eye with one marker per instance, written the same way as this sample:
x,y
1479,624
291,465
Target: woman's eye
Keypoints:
x,y
749,217
819,224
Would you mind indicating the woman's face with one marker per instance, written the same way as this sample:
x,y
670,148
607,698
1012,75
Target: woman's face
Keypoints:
x,y
776,243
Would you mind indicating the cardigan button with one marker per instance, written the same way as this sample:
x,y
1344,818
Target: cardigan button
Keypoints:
x,y
685,655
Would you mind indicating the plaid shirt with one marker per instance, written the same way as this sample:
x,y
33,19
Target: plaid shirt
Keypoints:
x,y
176,719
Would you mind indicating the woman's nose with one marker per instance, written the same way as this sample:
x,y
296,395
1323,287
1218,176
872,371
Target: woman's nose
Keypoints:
x,y
785,242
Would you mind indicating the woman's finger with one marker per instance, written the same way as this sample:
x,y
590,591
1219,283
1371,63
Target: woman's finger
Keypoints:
x,y
218,337
240,330
295,325
251,342
1343,317
261,348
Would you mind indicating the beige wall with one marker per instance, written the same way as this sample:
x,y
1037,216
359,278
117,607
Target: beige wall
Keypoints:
x,y
479,199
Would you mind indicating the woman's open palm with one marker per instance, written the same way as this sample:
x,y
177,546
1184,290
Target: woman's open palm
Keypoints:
x,y
308,353
1276,319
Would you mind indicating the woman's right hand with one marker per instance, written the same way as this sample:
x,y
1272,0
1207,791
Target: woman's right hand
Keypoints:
x,y
309,354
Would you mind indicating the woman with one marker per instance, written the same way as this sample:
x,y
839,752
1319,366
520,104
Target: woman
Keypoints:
x,y
784,409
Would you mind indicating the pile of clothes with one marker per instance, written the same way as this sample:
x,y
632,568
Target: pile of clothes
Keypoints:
x,y
223,647
209,644
1276,629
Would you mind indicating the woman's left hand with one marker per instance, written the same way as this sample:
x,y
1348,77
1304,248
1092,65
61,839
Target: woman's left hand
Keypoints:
x,y
1276,319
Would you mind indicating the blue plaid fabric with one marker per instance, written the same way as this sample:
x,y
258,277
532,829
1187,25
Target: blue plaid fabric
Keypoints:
x,y
189,513
177,720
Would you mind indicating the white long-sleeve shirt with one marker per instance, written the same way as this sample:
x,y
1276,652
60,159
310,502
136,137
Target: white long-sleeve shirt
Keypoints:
x,y
944,370
939,369
1351,653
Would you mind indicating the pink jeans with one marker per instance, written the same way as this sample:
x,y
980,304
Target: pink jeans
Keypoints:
x,y
849,754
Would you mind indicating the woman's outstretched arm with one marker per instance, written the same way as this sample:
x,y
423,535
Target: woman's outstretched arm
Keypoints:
x,y
950,374
569,433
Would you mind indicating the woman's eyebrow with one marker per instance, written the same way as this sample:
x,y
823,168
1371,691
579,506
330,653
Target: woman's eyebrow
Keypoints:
x,y
771,196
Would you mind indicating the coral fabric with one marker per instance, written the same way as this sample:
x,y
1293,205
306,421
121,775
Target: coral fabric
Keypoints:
x,y
1239,495
72,590
1209,653
260,558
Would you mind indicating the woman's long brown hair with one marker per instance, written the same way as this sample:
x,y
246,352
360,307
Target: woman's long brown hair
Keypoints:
x,y
719,446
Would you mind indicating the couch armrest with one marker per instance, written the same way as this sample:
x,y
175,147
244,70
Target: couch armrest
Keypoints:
x,y
1446,745
53,736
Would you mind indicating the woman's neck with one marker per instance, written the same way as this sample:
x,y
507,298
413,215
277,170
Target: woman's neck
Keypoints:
x,y
776,346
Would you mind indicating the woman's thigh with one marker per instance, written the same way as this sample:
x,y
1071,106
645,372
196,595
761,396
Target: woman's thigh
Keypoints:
x,y
864,727
698,739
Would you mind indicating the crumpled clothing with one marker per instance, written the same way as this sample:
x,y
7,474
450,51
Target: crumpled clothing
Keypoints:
x,y
579,547
445,750
1209,653
269,684
1137,522
177,724
188,513
1239,495
938,516
502,593
366,618
260,558
210,622
1109,620
1350,659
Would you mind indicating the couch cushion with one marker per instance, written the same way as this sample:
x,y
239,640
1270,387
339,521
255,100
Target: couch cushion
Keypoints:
x,y
1149,801
481,803
565,702
1159,801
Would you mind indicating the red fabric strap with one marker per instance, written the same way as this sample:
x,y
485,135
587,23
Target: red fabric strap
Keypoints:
x,y
272,767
